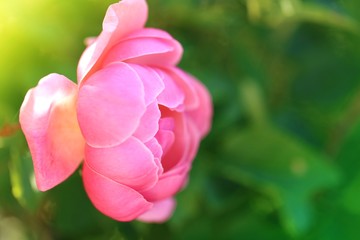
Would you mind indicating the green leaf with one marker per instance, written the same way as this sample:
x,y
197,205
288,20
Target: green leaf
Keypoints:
x,y
282,167
22,178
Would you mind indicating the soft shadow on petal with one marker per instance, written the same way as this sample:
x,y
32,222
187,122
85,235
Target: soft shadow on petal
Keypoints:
x,y
160,212
146,49
121,19
153,83
166,187
48,120
154,146
110,105
149,123
130,163
172,96
113,199
191,100
202,115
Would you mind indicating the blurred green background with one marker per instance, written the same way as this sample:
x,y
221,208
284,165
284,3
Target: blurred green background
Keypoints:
x,y
282,160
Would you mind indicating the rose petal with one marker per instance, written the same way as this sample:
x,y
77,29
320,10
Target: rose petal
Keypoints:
x,y
179,148
191,100
165,136
166,187
160,212
113,199
48,120
154,146
149,123
110,105
153,83
121,19
130,163
147,50
172,96
201,116
152,33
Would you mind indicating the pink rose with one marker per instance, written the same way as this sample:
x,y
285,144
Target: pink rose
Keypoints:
x,y
134,117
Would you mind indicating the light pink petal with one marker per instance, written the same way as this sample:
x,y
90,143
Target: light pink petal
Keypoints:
x,y
153,83
110,105
151,33
202,115
165,135
130,163
172,96
113,199
146,50
149,123
160,212
48,120
154,146
191,100
121,19
166,187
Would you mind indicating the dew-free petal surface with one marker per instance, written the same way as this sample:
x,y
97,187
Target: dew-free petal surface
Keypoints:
x,y
172,96
152,51
149,123
113,199
203,113
153,83
160,212
48,120
166,187
110,105
121,19
130,163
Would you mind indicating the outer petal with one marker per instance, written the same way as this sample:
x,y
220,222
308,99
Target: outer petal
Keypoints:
x,y
48,120
121,19
113,199
148,47
110,105
166,187
191,100
130,163
172,96
160,212
202,115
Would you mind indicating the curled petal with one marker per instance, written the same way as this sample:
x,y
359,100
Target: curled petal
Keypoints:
x,y
160,212
201,116
176,152
165,136
153,83
48,120
147,49
113,199
154,146
149,123
121,19
172,96
166,187
191,100
110,105
130,163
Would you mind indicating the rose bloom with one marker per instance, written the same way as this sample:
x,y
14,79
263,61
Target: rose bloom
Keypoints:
x,y
134,118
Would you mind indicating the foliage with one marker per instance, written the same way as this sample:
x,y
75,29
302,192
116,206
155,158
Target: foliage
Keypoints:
x,y
282,160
